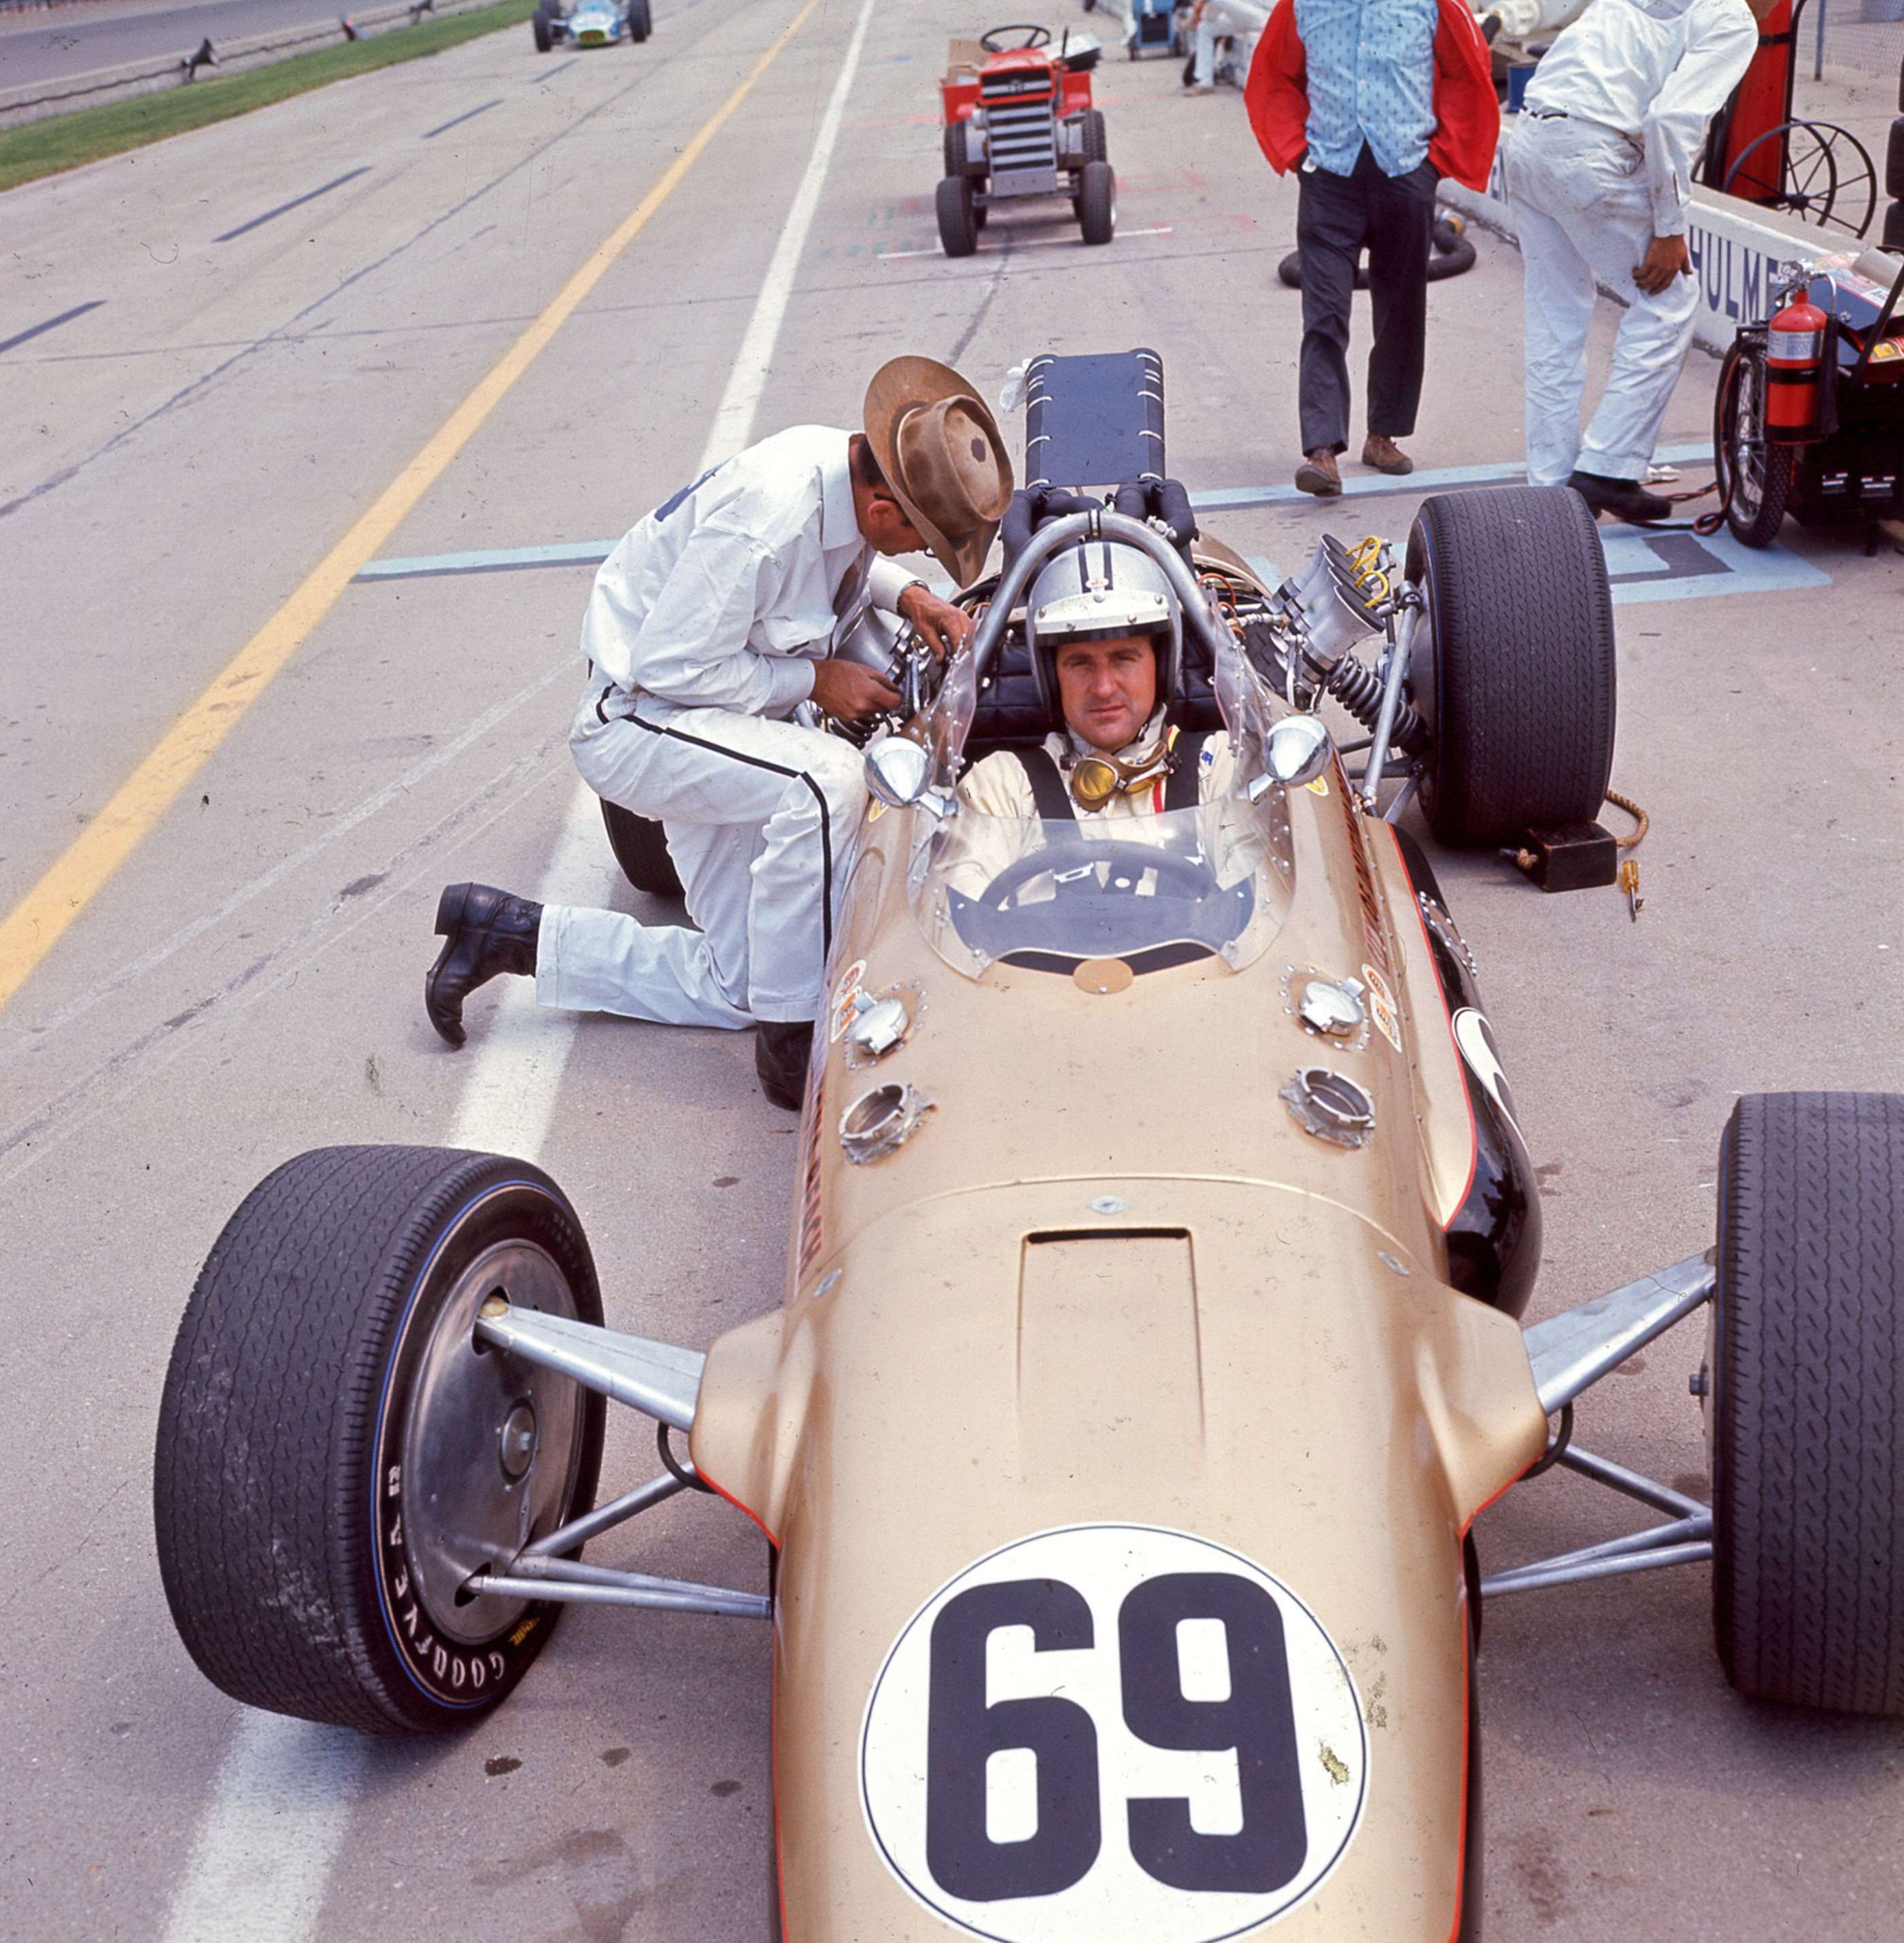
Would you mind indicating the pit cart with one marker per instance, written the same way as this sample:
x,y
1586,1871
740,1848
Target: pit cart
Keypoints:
x,y
1156,28
1809,415
1113,1464
590,23
1018,122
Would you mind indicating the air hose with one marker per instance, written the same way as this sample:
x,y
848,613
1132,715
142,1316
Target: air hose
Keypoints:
x,y
1452,255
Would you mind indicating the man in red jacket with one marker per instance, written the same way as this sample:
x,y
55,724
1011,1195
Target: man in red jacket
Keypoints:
x,y
1375,101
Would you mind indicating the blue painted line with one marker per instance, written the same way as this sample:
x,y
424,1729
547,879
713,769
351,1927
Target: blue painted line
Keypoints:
x,y
456,121
492,559
1374,485
1645,567
296,202
51,324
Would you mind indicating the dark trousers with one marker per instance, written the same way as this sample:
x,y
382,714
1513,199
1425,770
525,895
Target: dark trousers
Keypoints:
x,y
1338,215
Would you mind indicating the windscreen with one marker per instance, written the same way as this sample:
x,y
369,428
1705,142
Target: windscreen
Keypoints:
x,y
1208,882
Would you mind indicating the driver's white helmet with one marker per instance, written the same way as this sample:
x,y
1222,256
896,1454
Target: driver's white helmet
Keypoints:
x,y
1097,591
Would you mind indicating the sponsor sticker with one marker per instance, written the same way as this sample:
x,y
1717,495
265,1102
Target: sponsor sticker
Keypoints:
x,y
1110,1731
844,992
1319,787
1382,1007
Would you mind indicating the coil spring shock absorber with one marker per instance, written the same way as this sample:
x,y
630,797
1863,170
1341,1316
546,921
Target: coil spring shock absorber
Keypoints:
x,y
1358,688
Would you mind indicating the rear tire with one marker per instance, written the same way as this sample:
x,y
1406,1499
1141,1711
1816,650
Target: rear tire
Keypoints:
x,y
1097,142
640,847
958,232
1513,670
957,148
1807,1401
335,1455
1754,476
1097,202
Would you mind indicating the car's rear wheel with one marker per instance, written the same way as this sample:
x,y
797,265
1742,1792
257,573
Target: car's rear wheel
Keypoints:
x,y
1806,1400
640,847
1097,202
640,20
958,230
336,1456
1513,668
538,27
1755,476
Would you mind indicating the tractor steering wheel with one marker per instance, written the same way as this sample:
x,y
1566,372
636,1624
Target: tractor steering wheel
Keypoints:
x,y
1034,37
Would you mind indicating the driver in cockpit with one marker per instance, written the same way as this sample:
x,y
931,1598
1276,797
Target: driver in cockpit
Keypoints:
x,y
1105,634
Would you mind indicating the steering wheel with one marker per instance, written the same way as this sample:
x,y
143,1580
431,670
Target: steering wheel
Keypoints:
x,y
1034,37
1184,875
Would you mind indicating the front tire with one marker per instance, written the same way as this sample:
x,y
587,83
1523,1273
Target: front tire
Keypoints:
x,y
336,1455
1513,667
1755,476
538,28
1097,202
640,847
1807,1400
958,231
640,20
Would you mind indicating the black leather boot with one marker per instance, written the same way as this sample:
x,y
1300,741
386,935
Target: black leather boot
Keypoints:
x,y
1624,498
485,931
782,1050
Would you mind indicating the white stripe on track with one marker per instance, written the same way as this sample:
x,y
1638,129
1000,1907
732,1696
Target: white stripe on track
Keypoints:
x,y
286,1789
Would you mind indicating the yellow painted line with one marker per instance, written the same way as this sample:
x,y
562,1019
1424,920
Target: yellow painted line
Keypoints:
x,y
37,922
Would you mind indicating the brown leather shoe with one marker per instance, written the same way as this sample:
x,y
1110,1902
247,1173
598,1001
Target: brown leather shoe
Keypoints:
x,y
1319,474
1385,455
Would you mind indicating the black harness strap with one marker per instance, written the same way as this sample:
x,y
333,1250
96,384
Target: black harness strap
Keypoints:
x,y
1048,790
1180,791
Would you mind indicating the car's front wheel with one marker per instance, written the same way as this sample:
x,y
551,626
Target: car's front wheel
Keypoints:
x,y
1805,1401
539,28
640,20
337,1455
1513,664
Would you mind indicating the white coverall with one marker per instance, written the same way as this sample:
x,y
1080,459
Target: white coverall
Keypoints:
x,y
1599,163
701,635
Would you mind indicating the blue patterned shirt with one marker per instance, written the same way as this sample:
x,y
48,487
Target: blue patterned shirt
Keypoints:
x,y
1371,68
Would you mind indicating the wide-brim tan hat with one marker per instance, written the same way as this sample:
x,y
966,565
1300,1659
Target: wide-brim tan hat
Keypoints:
x,y
939,448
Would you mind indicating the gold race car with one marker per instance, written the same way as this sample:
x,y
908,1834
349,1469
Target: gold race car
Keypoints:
x,y
1117,1460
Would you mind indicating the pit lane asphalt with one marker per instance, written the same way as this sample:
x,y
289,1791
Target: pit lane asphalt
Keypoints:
x,y
175,460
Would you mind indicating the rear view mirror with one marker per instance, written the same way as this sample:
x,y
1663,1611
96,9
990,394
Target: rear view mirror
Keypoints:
x,y
897,770
1299,749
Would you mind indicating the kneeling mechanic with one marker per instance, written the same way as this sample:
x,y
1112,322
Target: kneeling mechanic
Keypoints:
x,y
709,624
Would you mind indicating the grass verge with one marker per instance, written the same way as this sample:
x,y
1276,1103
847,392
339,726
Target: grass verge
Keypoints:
x,y
87,134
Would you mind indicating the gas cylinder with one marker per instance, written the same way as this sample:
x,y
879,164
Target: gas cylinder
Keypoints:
x,y
1795,373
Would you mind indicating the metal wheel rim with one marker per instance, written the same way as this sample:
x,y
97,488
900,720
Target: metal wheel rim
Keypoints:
x,y
1746,445
461,1510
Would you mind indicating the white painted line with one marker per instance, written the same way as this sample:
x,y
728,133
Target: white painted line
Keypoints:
x,y
277,1818
286,1789
1036,243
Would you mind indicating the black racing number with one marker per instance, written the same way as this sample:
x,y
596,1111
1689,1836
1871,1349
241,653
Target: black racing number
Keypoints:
x,y
962,1732
1257,1720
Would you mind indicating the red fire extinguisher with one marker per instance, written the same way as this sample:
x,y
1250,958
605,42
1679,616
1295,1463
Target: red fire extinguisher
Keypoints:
x,y
1795,372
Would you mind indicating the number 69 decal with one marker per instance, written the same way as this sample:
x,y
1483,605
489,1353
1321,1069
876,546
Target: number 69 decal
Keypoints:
x,y
1113,1731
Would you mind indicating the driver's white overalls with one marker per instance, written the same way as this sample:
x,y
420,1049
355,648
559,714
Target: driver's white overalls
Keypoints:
x,y
1598,163
700,635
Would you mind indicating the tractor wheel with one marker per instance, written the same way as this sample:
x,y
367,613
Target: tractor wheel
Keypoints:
x,y
1805,1393
1097,142
640,847
1097,202
1755,476
958,229
338,1457
1512,666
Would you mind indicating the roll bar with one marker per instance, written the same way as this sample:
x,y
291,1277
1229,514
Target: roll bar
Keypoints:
x,y
1098,524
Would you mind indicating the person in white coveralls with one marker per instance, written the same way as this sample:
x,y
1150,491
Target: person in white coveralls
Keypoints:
x,y
1599,174
708,625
